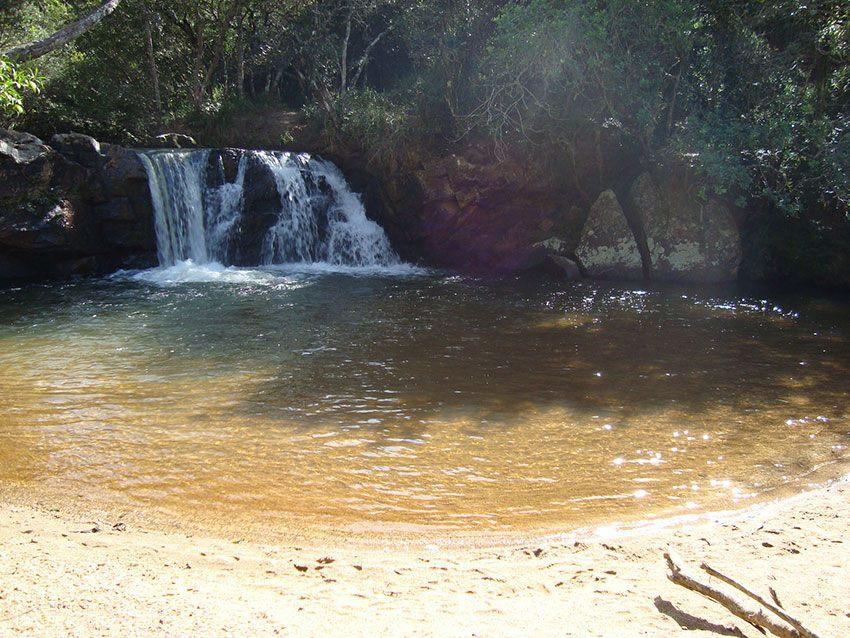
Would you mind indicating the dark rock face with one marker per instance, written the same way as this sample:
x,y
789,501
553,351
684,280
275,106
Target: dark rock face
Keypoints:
x,y
71,207
476,215
82,149
52,229
689,241
261,204
485,217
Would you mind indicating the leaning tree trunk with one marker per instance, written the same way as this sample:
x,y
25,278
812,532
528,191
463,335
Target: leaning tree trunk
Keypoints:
x,y
152,70
240,64
33,50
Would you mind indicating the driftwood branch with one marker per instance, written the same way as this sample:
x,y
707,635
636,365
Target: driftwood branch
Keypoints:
x,y
776,609
767,617
33,50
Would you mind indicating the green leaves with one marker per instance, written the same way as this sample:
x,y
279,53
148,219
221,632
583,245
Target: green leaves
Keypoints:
x,y
15,84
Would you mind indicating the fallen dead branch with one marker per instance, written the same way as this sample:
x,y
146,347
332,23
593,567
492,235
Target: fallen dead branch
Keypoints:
x,y
764,616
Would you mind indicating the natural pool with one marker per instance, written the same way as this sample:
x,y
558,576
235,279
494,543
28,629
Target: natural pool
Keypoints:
x,y
397,400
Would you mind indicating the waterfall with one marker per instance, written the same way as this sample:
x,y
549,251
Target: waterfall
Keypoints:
x,y
311,217
177,182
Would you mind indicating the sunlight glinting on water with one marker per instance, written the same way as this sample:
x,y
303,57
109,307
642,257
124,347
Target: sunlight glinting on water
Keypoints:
x,y
293,394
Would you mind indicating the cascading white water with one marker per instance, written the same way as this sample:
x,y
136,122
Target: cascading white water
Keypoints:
x,y
177,182
223,210
319,219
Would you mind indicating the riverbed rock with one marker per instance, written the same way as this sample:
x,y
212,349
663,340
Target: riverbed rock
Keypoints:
x,y
223,165
562,268
555,258
607,248
82,149
689,240
20,148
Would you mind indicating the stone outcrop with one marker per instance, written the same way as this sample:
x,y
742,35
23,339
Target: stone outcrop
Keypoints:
x,y
485,217
688,240
72,207
607,248
75,206
82,149
556,259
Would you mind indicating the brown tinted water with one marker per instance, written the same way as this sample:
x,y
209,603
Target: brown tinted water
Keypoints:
x,y
417,402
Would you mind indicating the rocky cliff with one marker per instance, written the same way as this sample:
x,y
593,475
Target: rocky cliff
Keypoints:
x,y
71,207
478,215
74,207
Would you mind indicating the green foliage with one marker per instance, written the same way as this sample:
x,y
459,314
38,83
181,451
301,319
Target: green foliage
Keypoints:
x,y
214,119
366,119
15,84
754,96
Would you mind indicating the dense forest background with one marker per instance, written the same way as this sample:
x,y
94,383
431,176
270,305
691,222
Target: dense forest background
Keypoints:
x,y
752,96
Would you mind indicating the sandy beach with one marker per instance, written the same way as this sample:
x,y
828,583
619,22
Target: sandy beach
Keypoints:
x,y
61,576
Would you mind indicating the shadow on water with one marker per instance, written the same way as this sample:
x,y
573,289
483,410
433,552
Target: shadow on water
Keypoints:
x,y
336,346
493,353
415,399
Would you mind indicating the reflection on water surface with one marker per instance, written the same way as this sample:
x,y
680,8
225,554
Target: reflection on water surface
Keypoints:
x,y
391,402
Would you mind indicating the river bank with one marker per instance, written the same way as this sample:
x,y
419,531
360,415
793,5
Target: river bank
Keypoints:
x,y
59,577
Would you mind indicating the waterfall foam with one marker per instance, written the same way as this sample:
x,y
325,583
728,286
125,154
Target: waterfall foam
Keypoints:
x,y
202,217
178,184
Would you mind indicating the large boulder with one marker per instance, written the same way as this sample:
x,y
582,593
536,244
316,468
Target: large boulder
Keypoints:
x,y
689,240
82,149
71,207
607,248
31,170
555,257
20,148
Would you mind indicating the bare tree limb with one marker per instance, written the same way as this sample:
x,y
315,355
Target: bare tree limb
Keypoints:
x,y
742,608
33,50
759,599
343,58
152,68
361,64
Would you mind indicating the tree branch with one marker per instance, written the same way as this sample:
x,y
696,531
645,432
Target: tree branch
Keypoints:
x,y
33,50
779,624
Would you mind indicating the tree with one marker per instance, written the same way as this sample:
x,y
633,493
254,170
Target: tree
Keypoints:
x,y
14,84
33,50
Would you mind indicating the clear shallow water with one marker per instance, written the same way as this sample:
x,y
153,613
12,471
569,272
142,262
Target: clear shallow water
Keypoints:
x,y
357,400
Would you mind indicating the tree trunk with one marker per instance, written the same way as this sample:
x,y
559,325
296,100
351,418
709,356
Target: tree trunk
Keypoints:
x,y
152,70
343,61
278,76
198,85
240,63
33,50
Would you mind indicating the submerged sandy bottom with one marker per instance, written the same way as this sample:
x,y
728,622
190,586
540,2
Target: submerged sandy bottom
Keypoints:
x,y
59,577
343,454
409,403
